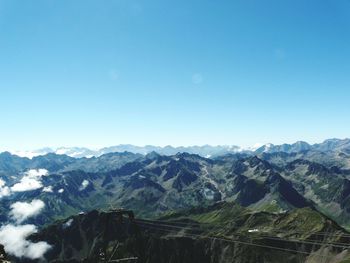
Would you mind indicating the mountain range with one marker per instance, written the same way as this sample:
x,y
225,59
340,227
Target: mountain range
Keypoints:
x,y
205,150
42,196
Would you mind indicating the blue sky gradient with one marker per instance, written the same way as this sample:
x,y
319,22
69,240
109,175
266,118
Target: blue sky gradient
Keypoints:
x,y
99,73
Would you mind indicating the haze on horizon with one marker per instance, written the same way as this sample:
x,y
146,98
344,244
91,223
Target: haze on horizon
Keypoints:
x,y
101,73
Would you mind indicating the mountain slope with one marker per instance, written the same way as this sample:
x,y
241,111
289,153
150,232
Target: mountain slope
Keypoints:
x,y
188,236
154,183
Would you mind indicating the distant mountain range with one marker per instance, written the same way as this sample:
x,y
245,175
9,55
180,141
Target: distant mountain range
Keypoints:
x,y
204,151
79,152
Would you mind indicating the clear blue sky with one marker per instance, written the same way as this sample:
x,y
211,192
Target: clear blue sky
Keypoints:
x,y
104,72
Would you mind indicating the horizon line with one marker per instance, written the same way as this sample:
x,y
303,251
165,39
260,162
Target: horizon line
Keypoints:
x,y
255,146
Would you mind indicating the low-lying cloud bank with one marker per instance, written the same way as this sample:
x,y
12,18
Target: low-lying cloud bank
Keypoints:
x,y
20,211
14,236
30,181
4,190
14,239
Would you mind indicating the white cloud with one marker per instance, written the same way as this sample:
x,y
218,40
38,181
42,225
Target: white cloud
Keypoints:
x,y
4,190
37,172
84,184
255,146
30,181
61,190
2,183
20,211
27,184
28,154
14,240
48,189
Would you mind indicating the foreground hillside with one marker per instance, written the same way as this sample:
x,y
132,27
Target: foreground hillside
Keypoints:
x,y
224,232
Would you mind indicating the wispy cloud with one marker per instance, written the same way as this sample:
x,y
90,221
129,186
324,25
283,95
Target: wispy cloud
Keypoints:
x,y
20,211
14,240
